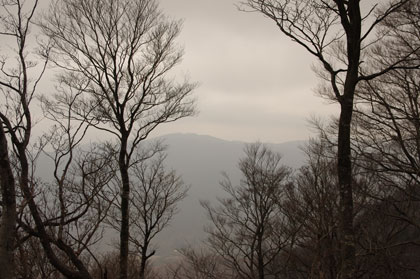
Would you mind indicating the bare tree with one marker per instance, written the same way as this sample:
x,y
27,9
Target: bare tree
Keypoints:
x,y
8,212
20,76
154,197
156,193
109,268
32,263
387,141
342,38
17,87
122,52
66,214
248,227
199,263
385,245
312,202
387,132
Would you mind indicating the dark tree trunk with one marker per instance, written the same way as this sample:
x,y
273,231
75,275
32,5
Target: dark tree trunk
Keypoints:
x,y
144,256
125,208
8,213
143,262
260,255
346,192
352,23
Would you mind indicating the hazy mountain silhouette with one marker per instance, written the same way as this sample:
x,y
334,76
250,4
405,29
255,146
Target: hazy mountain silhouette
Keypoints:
x,y
200,160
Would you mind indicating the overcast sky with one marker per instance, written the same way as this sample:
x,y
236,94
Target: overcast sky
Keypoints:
x,y
255,84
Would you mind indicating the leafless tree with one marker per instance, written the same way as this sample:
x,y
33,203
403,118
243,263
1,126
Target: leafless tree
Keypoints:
x,y
248,227
342,38
154,197
8,212
20,76
199,263
387,137
387,132
110,268
385,245
121,52
312,202
18,83
72,207
32,263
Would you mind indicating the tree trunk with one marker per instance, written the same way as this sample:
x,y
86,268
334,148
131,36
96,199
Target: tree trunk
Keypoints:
x,y
346,192
260,256
8,213
352,23
125,209
143,262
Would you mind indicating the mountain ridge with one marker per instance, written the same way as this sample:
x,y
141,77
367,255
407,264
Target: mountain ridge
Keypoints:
x,y
186,135
200,160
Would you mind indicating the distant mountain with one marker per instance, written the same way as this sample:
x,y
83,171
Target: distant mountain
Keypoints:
x,y
201,160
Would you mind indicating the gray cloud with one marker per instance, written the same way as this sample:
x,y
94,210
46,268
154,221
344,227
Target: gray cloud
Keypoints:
x,y
255,83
